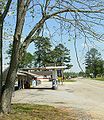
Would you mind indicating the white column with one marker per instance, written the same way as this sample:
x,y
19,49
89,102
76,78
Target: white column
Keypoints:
x,y
54,74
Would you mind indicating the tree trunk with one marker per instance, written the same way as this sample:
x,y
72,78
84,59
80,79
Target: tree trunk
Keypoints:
x,y
17,54
1,31
7,93
10,80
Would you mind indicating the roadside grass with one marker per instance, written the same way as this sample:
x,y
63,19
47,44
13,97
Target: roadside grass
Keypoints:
x,y
36,112
70,80
100,78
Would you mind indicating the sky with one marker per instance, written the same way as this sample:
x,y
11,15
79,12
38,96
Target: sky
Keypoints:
x,y
58,36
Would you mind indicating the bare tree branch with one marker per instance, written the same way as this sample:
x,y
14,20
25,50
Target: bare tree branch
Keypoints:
x,y
6,9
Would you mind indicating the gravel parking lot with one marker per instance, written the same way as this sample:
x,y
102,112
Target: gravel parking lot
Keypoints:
x,y
86,97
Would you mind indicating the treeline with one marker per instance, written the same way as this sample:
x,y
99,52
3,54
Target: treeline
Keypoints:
x,y
44,54
94,66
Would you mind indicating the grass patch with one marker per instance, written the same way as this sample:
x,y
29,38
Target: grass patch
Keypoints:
x,y
70,80
100,78
35,112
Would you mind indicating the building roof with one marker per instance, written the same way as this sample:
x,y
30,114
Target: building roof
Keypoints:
x,y
46,68
43,73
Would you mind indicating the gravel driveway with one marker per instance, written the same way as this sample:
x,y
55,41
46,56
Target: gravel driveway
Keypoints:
x,y
83,96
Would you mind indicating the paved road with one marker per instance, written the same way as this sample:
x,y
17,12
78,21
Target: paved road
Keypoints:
x,y
84,95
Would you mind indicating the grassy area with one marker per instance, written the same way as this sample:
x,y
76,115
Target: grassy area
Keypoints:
x,y
70,80
100,78
36,112
97,78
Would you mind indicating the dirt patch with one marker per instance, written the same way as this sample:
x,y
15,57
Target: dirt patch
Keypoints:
x,y
76,114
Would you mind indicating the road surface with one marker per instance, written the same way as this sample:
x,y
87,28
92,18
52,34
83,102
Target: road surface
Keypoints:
x,y
83,95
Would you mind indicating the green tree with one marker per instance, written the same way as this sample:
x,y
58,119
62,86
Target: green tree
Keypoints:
x,y
27,61
60,55
93,62
70,75
43,48
81,74
44,55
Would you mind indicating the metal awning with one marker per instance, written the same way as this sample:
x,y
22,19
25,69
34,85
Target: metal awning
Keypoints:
x,y
45,68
